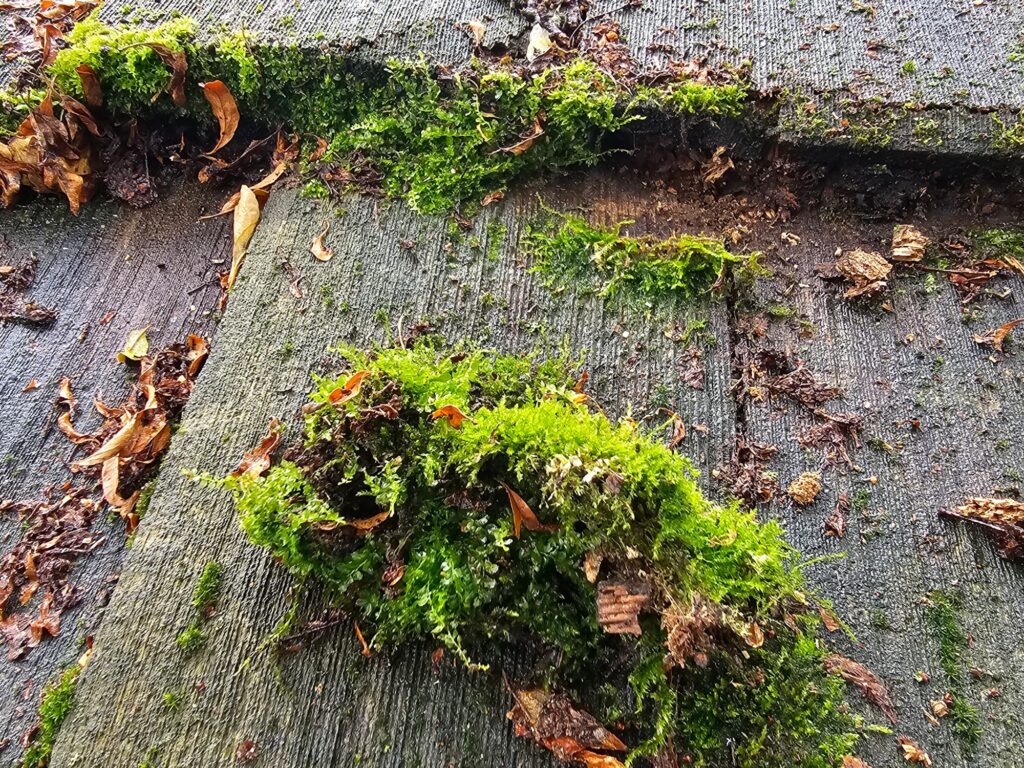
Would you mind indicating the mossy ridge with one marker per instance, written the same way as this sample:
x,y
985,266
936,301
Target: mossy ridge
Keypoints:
x,y
567,251
446,563
439,139
56,703
943,610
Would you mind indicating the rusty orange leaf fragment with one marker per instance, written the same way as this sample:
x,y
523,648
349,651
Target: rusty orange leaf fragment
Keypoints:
x,y
257,461
318,248
452,414
522,515
362,641
225,109
90,85
349,389
913,753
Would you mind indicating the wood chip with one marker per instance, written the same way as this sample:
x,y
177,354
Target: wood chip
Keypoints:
x,y
619,602
908,244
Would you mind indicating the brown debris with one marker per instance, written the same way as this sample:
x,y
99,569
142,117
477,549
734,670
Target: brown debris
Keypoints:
x,y
865,271
908,244
870,684
836,434
849,761
619,602
14,281
572,735
693,631
779,374
56,535
1002,519
805,489
913,753
256,461
745,475
996,338
691,368
523,516
835,523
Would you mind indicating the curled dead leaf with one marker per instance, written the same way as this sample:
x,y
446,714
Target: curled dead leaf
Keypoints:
x,y
90,85
996,338
247,216
526,142
871,686
523,517
225,109
349,389
318,249
539,44
451,414
136,346
257,460
176,85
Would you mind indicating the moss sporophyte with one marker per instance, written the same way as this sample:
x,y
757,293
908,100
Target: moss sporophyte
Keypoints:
x,y
483,501
439,139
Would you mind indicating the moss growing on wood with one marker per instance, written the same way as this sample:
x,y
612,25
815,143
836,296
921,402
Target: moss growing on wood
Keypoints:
x,y
567,252
465,496
944,618
191,638
54,708
208,586
439,140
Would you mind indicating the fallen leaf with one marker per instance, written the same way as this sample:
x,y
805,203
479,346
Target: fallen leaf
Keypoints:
x,y
849,761
870,684
135,347
257,460
571,734
247,216
996,338
523,517
451,414
592,565
526,142
90,85
913,753
492,197
835,523
318,249
176,85
1003,520
224,109
364,525
540,43
678,431
32,384
118,443
939,707
619,602
349,389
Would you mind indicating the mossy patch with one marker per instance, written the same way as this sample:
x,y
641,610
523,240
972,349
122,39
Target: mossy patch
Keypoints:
x,y
943,608
567,252
440,140
400,497
54,708
204,600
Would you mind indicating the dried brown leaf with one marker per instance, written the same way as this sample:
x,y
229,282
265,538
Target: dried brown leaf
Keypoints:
x,y
451,414
257,460
90,85
523,517
247,216
318,249
871,686
996,338
225,109
349,389
913,753
176,85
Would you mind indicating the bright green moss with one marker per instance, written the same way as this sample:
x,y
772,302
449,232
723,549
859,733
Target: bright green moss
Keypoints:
x,y
567,252
944,619
1008,135
698,99
15,107
53,710
191,638
208,586
129,71
998,243
446,563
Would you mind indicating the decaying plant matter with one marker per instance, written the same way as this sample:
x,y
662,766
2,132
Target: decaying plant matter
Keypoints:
x,y
483,501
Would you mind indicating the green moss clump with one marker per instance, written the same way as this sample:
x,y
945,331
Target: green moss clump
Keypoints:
x,y
1008,135
130,72
397,499
191,638
998,243
439,140
53,710
567,251
943,610
208,586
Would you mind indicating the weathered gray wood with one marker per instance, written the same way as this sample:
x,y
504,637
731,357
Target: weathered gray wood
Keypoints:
x,y
917,362
330,706
151,267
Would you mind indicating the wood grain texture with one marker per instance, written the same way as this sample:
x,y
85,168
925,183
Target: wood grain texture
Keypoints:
x,y
328,705
147,268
